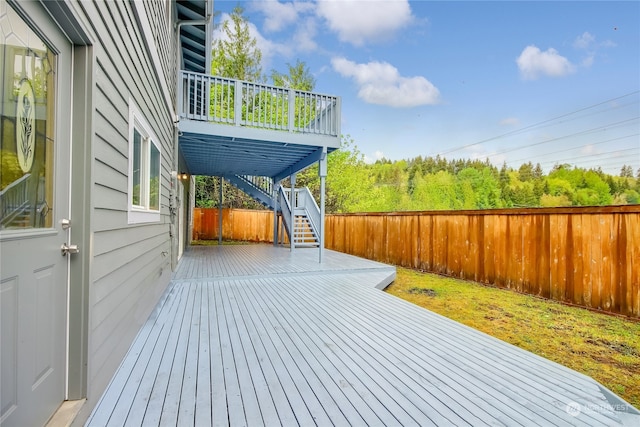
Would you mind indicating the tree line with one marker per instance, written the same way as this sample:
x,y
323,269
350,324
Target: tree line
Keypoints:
x,y
438,183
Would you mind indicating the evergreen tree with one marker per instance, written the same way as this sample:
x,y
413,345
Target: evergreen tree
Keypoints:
x,y
525,173
236,54
537,172
505,180
626,171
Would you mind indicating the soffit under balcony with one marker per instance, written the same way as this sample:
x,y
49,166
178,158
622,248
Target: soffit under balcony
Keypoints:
x,y
235,150
195,41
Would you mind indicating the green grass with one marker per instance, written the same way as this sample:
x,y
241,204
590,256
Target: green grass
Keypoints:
x,y
605,347
224,242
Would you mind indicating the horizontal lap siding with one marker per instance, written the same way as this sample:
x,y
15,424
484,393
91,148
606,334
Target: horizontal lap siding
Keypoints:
x,y
131,263
584,256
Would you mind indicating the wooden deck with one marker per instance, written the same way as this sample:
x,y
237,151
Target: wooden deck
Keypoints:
x,y
255,335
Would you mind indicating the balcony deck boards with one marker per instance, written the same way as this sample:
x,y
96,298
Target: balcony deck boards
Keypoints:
x,y
255,335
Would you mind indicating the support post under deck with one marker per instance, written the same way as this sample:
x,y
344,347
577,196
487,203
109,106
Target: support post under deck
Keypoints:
x,y
220,212
322,172
292,202
275,189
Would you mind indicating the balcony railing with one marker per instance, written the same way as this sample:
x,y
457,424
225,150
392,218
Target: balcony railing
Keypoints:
x,y
14,200
240,103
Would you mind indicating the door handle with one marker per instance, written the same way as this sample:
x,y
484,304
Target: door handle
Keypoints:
x,y
69,249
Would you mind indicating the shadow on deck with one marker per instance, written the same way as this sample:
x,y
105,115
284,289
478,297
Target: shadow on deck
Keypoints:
x,y
253,335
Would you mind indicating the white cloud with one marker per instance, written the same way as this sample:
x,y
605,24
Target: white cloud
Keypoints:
x,y
584,41
359,22
534,63
304,36
510,121
280,15
587,42
588,60
377,155
381,83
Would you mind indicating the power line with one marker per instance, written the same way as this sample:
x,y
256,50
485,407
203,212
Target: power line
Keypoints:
x,y
514,132
592,155
581,147
584,132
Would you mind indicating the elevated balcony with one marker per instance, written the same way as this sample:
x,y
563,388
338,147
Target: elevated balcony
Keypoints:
x,y
230,126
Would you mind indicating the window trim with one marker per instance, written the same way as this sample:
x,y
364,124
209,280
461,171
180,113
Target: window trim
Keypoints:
x,y
142,214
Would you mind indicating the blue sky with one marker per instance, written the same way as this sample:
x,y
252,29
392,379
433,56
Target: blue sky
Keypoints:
x,y
545,81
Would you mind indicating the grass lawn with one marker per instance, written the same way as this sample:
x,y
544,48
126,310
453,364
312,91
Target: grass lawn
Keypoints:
x,y
605,347
215,242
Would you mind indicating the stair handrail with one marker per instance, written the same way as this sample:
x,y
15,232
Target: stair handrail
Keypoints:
x,y
13,199
307,202
285,208
304,203
263,183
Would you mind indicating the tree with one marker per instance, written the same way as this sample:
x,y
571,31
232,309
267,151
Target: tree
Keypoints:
x,y
626,171
236,54
537,172
207,190
348,184
299,77
525,173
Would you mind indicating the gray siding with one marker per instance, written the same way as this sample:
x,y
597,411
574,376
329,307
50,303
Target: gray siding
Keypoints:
x,y
159,16
130,263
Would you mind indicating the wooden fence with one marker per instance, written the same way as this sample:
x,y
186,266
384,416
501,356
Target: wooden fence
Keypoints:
x,y
584,256
237,224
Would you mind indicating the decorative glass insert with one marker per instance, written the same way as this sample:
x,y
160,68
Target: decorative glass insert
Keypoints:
x,y
27,91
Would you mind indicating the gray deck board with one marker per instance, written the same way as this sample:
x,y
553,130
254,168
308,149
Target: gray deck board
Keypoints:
x,y
255,335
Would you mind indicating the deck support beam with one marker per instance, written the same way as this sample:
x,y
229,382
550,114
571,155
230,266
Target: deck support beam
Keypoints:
x,y
322,172
220,211
292,202
276,192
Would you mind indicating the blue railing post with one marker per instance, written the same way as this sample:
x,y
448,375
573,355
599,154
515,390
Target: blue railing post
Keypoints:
x,y
292,110
237,102
337,115
180,94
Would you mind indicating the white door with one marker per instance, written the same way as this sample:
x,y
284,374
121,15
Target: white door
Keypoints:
x,y
35,88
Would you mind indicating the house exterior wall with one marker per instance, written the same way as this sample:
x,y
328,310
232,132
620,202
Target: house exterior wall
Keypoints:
x,y
134,57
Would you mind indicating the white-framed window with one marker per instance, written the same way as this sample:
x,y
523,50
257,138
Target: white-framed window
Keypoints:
x,y
145,158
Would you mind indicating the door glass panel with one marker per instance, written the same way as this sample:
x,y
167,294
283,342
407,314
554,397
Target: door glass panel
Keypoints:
x,y
26,125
